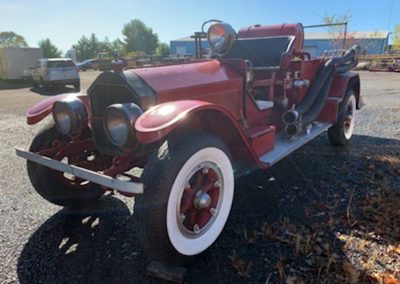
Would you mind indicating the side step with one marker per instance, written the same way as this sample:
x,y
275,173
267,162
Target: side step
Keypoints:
x,y
284,146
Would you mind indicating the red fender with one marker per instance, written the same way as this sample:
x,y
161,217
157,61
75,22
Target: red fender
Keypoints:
x,y
44,108
159,121
337,92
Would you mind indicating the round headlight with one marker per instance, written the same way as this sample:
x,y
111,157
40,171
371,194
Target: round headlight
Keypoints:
x,y
69,115
221,37
119,120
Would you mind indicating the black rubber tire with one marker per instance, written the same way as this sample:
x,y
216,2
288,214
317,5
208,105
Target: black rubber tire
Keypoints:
x,y
43,86
336,132
48,183
158,177
77,86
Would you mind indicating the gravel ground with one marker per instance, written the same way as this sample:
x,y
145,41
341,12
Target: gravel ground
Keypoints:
x,y
307,220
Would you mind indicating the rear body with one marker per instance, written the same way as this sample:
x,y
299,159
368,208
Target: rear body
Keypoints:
x,y
177,136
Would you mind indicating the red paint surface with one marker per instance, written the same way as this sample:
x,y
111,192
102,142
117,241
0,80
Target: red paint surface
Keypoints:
x,y
44,108
163,118
336,94
168,78
160,120
206,80
263,139
276,30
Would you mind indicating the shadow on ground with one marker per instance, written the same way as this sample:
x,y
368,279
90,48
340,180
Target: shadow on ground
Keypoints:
x,y
14,84
98,246
297,220
53,91
294,222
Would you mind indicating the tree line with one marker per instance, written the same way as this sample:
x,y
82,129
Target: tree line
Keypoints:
x,y
137,37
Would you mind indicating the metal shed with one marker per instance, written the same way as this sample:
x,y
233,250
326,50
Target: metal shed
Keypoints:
x,y
370,42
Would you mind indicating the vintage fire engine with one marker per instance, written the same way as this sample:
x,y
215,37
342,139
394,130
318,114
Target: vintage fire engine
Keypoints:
x,y
173,136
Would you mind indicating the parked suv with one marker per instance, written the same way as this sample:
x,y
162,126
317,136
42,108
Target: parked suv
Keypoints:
x,y
55,72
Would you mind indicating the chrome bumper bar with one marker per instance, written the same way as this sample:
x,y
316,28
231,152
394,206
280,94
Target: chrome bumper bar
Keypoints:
x,y
107,181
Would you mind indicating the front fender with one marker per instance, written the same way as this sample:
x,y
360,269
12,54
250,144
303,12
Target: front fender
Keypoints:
x,y
42,109
160,120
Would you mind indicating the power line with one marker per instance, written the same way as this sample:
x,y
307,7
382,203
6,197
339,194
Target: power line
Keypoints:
x,y
390,16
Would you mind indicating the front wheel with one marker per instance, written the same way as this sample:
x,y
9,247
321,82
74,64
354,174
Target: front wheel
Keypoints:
x,y
56,187
341,132
187,198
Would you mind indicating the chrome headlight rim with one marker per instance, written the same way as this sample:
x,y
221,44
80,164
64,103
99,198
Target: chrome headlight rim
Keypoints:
x,y
227,35
75,115
122,117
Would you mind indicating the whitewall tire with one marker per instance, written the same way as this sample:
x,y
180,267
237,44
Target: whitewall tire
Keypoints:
x,y
188,194
184,240
342,131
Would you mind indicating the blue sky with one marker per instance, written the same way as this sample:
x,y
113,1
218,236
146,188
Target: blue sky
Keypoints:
x,y
64,22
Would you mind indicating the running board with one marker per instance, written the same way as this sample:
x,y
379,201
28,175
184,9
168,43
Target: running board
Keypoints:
x,y
284,146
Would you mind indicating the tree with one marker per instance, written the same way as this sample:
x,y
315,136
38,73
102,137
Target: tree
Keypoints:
x,y
11,39
49,49
337,32
105,45
139,37
118,45
162,49
396,37
87,48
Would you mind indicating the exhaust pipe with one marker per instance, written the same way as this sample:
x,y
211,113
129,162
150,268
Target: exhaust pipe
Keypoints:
x,y
293,129
290,116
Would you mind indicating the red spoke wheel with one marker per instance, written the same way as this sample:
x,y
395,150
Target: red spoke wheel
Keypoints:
x,y
187,198
341,132
56,187
200,199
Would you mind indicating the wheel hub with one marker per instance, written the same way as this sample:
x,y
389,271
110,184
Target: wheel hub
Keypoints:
x,y
349,119
200,199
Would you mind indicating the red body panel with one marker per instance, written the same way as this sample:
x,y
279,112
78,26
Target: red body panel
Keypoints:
x,y
206,80
276,30
44,108
158,121
336,94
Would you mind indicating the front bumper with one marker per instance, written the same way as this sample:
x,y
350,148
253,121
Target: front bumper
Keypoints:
x,y
95,177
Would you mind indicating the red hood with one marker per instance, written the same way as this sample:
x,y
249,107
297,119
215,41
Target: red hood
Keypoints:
x,y
171,78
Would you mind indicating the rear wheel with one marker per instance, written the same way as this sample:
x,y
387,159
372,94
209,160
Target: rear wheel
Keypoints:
x,y
340,133
56,187
188,194
42,84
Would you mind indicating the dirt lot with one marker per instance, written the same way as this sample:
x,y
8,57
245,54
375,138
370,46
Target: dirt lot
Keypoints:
x,y
324,214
